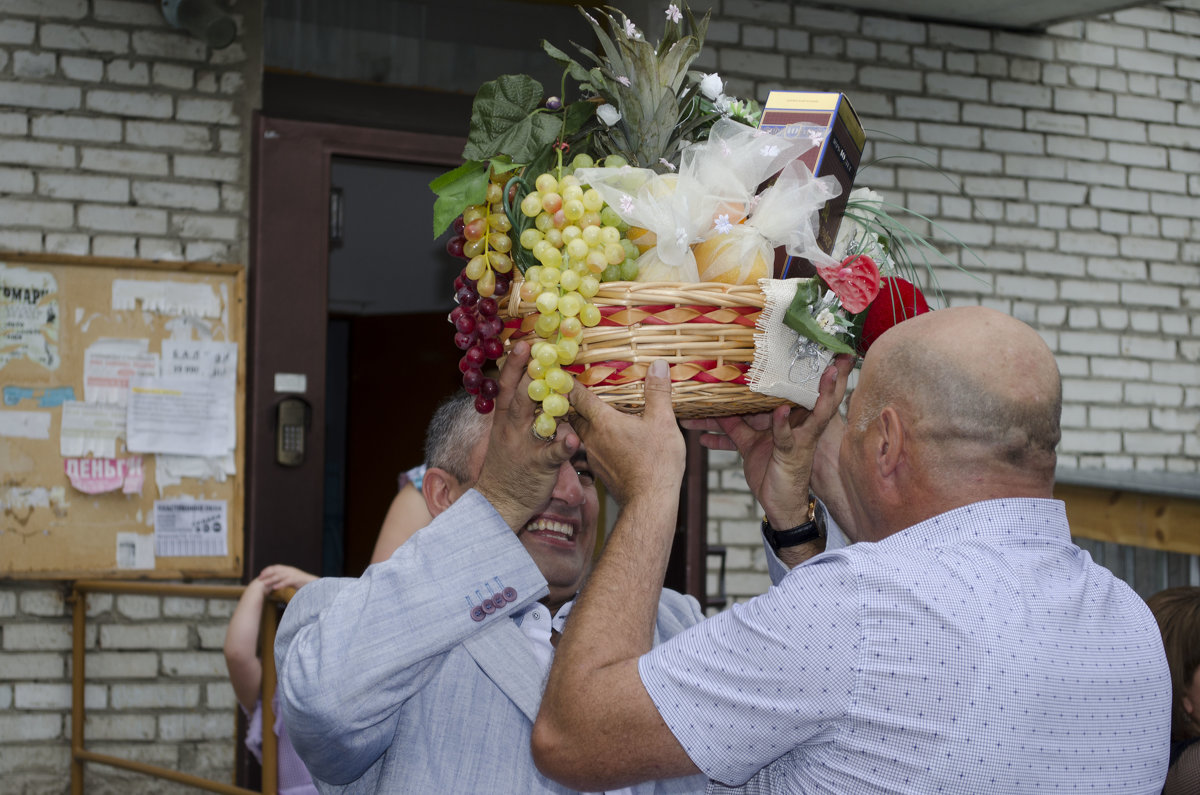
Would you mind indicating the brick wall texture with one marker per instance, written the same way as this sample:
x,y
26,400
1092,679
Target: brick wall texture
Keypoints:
x,y
1068,161
1071,163
120,137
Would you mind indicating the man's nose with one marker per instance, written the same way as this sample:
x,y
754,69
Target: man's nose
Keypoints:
x,y
567,487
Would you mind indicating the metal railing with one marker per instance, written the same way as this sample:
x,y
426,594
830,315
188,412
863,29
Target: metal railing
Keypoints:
x,y
80,754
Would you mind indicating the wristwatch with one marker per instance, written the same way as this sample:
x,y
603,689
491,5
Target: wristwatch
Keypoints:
x,y
810,530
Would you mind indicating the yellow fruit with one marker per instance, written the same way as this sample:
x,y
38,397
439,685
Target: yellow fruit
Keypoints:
x,y
717,260
644,239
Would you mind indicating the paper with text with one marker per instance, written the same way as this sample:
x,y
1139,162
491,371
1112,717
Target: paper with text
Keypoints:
x,y
181,416
188,528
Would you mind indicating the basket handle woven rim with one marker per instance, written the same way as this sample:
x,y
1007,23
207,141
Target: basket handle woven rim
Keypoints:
x,y
623,293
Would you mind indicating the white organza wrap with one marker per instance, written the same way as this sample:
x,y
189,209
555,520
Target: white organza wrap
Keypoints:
x,y
713,193
786,365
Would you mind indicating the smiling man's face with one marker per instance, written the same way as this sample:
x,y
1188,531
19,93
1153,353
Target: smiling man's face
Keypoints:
x,y
562,535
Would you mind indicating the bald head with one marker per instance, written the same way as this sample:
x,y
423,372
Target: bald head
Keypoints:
x,y
978,394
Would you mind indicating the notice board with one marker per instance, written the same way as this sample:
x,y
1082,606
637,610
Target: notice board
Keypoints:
x,y
122,421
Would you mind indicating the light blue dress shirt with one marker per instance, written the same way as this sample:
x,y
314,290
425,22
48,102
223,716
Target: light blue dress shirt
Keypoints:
x,y
979,651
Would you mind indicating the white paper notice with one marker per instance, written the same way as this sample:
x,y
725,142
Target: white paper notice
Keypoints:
x,y
200,359
181,416
90,428
109,364
167,298
135,551
28,317
25,424
170,470
190,528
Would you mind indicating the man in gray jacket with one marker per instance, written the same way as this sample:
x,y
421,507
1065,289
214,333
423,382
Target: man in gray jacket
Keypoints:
x,y
425,674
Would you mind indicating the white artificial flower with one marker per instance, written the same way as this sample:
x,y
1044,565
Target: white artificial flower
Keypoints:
x,y
723,226
827,321
712,86
608,114
670,166
673,13
631,30
623,80
626,204
865,195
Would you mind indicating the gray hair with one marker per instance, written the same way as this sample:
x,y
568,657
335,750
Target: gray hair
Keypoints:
x,y
453,433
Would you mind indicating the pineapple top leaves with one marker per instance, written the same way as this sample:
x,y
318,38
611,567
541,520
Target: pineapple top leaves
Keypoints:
x,y
648,86
657,102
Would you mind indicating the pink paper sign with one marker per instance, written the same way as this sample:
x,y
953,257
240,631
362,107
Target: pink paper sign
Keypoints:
x,y
96,475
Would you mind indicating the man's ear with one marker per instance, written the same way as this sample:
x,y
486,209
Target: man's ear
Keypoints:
x,y
440,490
889,444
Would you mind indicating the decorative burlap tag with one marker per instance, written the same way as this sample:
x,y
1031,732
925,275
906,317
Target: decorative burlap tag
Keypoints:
x,y
786,365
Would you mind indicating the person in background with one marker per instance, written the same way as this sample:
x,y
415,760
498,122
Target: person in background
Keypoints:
x,y
406,515
424,674
1177,611
455,442
962,643
245,674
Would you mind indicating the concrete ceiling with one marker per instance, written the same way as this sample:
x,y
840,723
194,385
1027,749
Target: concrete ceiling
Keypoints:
x,y
1013,14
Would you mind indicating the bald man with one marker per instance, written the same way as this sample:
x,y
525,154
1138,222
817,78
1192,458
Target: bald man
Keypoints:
x,y
962,644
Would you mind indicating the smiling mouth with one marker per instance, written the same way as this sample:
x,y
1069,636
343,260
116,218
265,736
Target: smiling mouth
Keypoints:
x,y
548,528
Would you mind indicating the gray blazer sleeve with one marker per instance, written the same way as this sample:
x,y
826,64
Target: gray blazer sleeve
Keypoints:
x,y
350,652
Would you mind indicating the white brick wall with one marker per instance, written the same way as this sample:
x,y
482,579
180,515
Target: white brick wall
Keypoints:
x,y
101,99
119,137
157,689
1080,151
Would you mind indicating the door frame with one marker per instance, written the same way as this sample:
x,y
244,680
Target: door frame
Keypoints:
x,y
289,310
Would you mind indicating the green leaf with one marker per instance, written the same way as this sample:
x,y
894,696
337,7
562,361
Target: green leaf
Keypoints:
x,y
505,120
799,318
456,191
576,115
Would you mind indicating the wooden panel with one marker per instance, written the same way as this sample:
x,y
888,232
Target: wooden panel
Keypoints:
x,y
1125,517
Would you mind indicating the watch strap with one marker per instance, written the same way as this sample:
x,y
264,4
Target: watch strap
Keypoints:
x,y
800,534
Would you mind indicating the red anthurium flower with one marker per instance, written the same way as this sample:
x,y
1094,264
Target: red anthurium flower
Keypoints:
x,y
898,300
855,282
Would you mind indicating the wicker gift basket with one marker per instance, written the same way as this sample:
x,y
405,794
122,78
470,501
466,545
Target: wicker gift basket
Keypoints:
x,y
705,331
653,239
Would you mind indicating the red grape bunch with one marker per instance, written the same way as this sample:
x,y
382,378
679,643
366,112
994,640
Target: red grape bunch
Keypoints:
x,y
481,238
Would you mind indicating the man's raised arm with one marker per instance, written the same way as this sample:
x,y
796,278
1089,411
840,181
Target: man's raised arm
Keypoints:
x,y
597,727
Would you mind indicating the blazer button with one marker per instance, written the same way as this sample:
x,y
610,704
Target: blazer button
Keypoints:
x,y
509,594
489,606
477,613
499,600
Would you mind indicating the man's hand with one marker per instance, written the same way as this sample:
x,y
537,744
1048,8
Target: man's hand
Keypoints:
x,y
519,470
778,448
633,454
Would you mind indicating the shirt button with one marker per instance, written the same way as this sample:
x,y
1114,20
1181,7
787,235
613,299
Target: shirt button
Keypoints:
x,y
477,613
499,600
537,616
510,594
489,606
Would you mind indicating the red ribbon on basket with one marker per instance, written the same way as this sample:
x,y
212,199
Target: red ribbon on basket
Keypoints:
x,y
617,373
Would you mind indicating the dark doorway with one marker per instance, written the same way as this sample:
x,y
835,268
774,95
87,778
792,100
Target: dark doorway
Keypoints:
x,y
290,298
